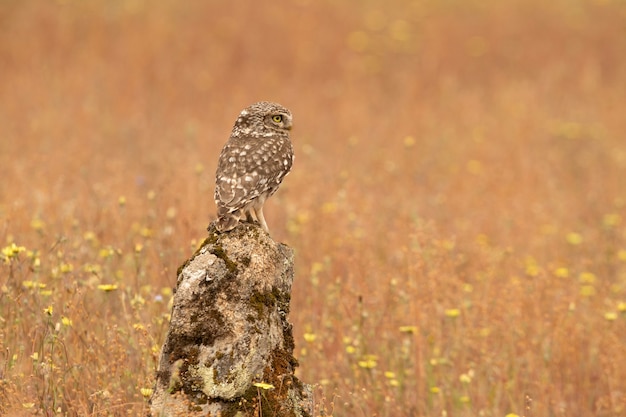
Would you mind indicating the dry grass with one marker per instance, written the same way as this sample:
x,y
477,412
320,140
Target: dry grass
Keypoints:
x,y
458,203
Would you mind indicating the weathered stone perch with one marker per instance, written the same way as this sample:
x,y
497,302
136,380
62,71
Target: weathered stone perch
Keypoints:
x,y
229,330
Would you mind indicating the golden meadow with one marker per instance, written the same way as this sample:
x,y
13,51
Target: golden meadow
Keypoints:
x,y
457,205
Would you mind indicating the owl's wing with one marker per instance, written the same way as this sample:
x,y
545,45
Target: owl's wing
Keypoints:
x,y
236,190
249,168
234,179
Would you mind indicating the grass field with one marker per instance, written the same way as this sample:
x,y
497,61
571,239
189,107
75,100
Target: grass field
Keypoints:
x,y
457,205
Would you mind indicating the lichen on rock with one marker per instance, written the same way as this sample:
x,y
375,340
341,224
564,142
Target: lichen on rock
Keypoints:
x,y
229,330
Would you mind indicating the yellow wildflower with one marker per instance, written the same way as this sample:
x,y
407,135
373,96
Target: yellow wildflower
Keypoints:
x,y
611,220
368,362
37,224
408,329
587,277
474,167
574,238
92,268
329,208
452,312
33,284
587,290
263,385
561,272
11,251
106,252
465,378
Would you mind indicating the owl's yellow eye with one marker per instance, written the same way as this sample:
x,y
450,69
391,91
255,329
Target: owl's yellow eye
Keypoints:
x,y
277,118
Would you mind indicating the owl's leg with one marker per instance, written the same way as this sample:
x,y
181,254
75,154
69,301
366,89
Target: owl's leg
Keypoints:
x,y
258,210
249,218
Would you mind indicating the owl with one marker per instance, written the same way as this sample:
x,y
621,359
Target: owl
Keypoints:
x,y
252,164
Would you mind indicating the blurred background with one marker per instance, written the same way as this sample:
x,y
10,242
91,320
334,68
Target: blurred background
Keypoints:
x,y
457,203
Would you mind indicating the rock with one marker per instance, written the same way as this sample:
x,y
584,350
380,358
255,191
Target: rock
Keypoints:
x,y
229,331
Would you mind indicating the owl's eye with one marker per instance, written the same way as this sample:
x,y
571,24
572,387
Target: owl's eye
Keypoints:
x,y
277,118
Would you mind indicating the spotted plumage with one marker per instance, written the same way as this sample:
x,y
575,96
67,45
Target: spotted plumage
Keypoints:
x,y
252,164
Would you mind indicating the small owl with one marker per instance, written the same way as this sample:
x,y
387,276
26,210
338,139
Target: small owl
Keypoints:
x,y
252,164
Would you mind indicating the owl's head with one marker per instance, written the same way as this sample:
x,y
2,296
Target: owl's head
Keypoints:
x,y
264,118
